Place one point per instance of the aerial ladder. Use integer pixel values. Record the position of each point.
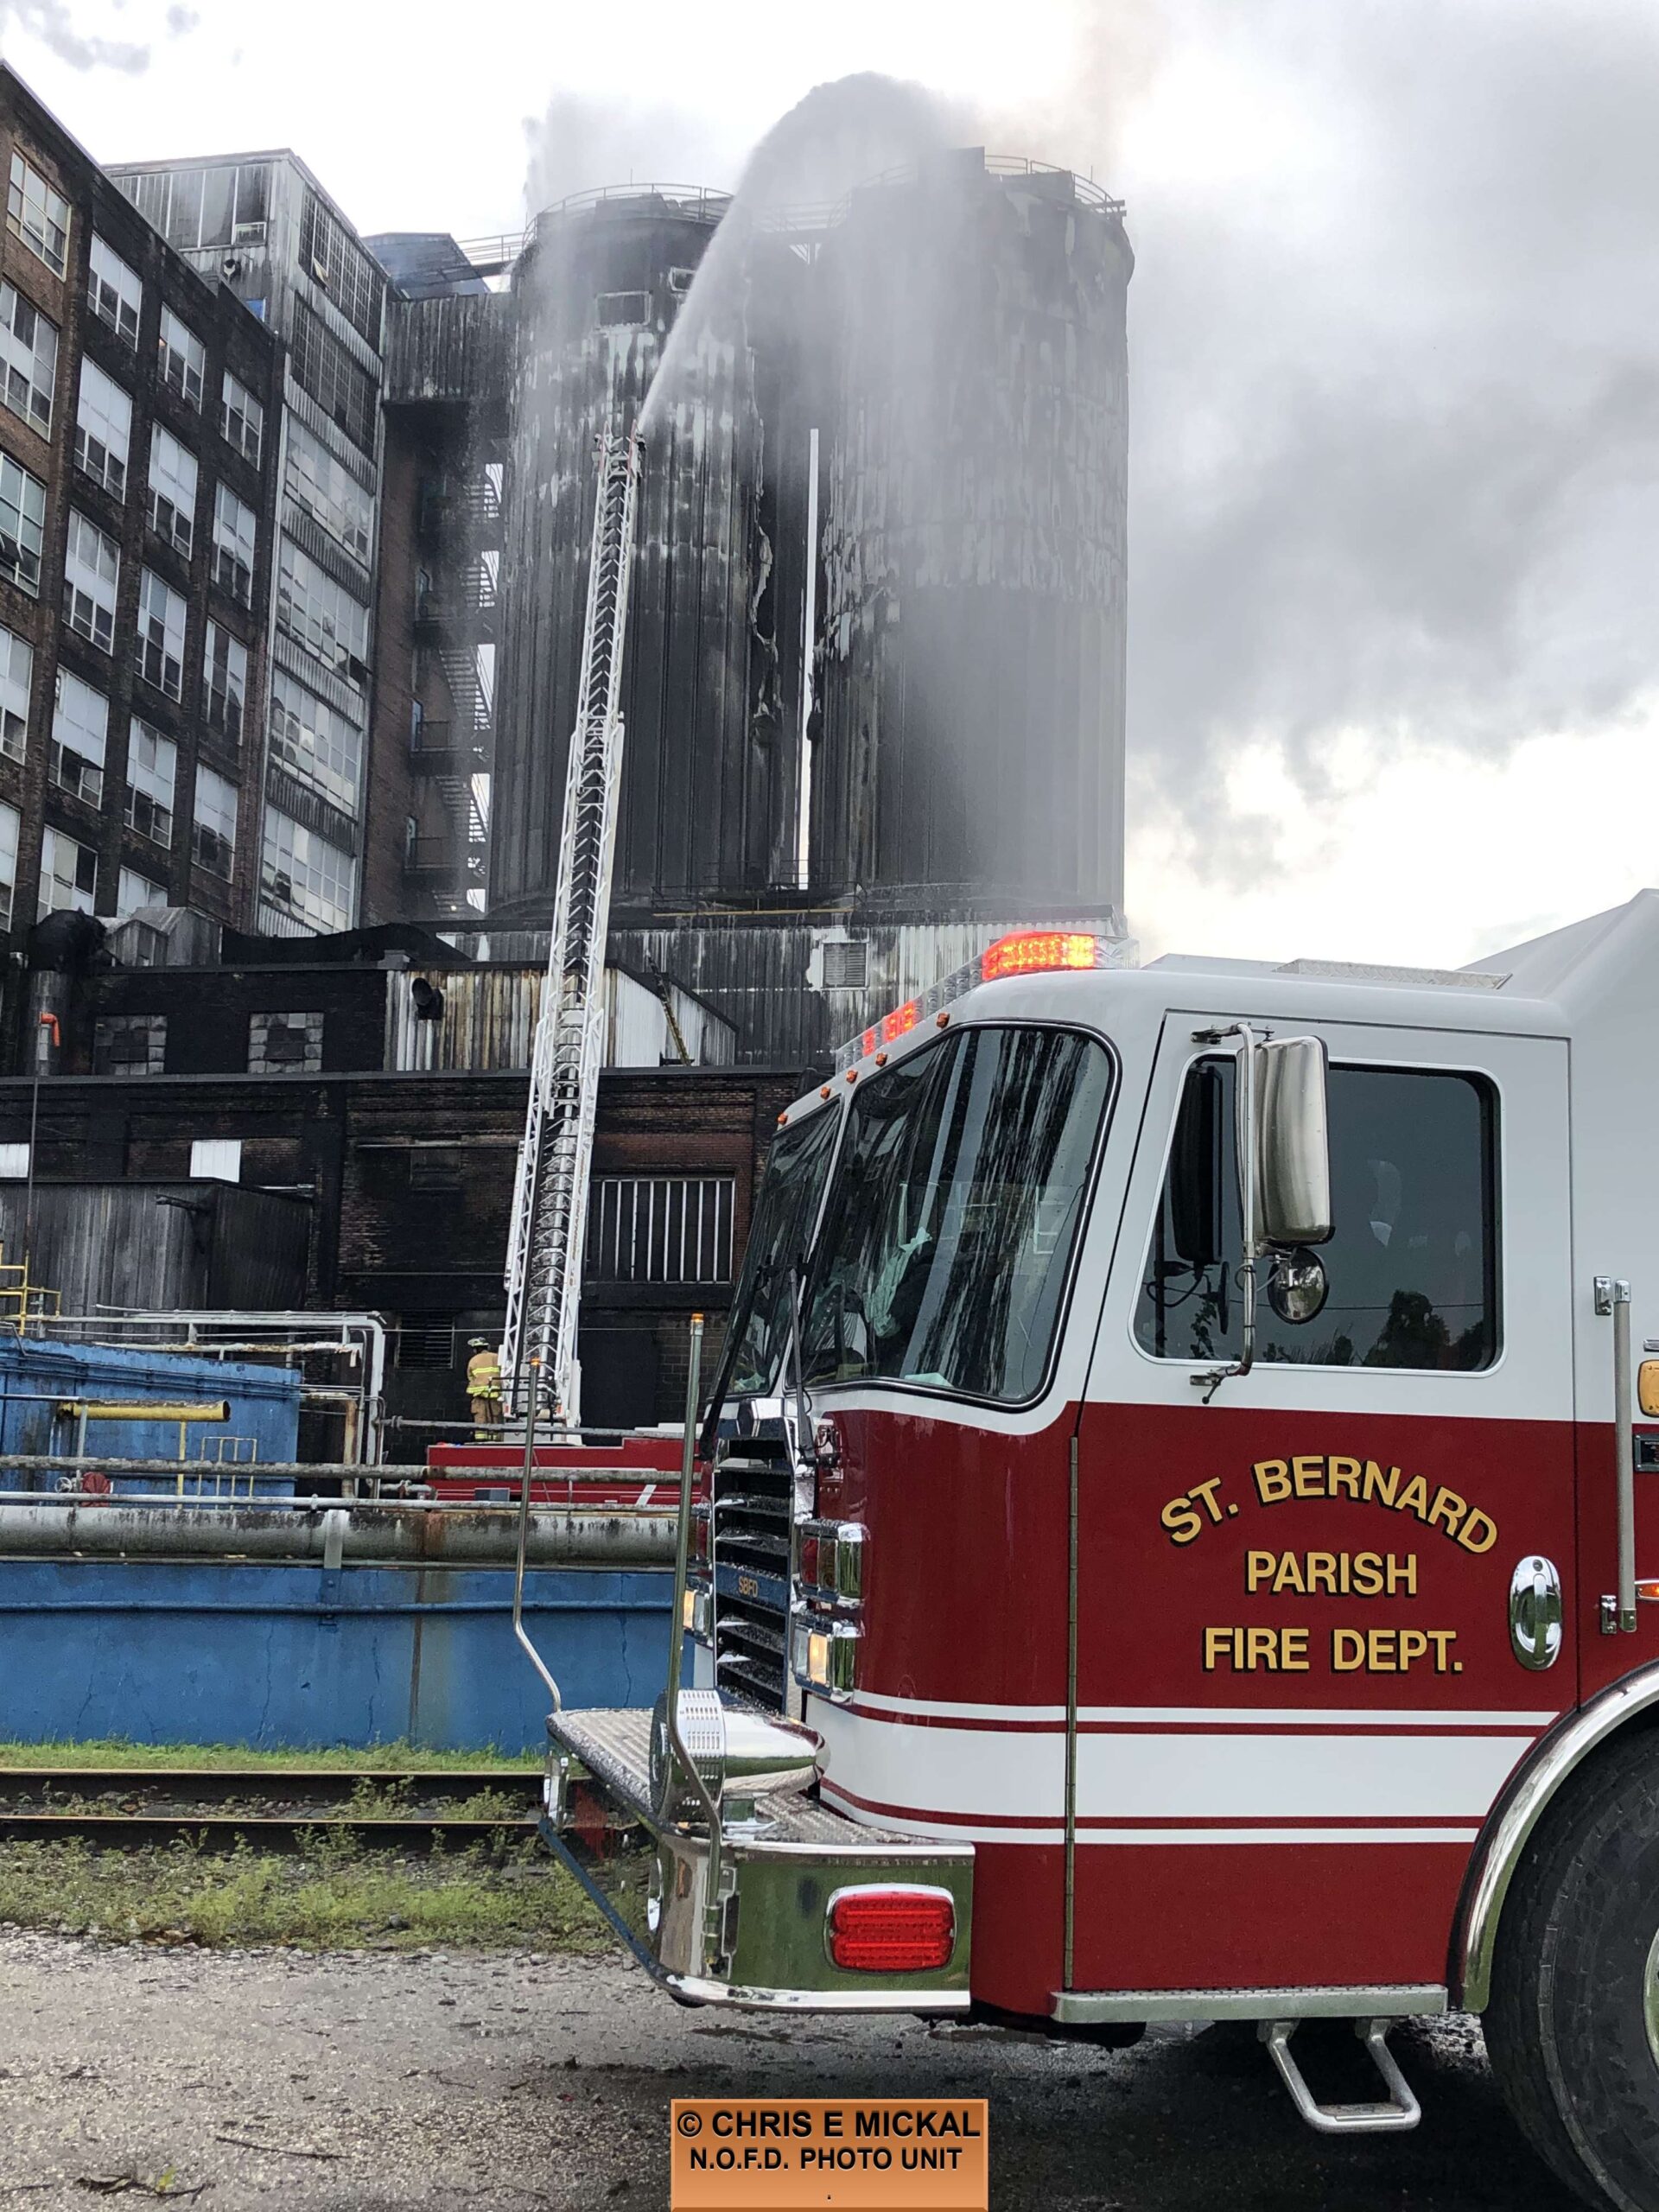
(540, 1372)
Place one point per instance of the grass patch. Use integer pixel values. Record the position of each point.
(333, 1893)
(391, 1759)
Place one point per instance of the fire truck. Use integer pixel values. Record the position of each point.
(1171, 1540)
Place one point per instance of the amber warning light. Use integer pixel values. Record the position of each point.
(882, 2154)
(1025, 952)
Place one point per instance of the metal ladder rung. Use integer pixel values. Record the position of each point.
(1398, 2111)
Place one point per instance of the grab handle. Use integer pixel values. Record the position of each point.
(1613, 1300)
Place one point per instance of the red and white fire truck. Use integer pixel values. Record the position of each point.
(1178, 1554)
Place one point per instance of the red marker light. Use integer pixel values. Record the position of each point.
(1033, 952)
(901, 1021)
(891, 1930)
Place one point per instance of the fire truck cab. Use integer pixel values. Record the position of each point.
(1178, 1554)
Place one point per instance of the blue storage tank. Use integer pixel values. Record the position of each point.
(41, 1382)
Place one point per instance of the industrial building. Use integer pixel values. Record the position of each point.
(871, 684)
(262, 224)
(136, 514)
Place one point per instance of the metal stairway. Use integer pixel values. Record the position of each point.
(550, 1208)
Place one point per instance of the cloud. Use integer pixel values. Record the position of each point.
(51, 22)
(181, 22)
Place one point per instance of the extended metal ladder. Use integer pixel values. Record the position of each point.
(549, 1205)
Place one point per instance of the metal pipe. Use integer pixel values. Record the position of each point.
(388, 1535)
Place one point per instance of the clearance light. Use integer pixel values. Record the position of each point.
(1033, 952)
(824, 1655)
(891, 1930)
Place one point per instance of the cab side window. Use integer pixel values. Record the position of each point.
(1413, 1264)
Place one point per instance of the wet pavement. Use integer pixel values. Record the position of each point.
(397, 2080)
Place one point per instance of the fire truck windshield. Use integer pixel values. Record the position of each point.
(949, 1231)
(791, 1186)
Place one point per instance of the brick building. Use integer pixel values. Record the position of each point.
(137, 505)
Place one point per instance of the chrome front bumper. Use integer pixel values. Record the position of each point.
(763, 1941)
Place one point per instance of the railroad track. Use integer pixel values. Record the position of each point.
(273, 1806)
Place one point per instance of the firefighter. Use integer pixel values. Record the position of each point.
(484, 1383)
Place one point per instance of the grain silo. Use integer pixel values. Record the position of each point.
(973, 599)
(707, 791)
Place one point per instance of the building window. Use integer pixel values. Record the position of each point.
(435, 1168)
(242, 419)
(313, 742)
(113, 290)
(322, 366)
(305, 874)
(320, 615)
(152, 775)
(316, 480)
(23, 525)
(615, 309)
(285, 1044)
(333, 259)
(129, 1044)
(213, 839)
(201, 208)
(28, 357)
(11, 823)
(133, 893)
(68, 874)
(91, 571)
(660, 1228)
(233, 529)
(158, 657)
(39, 215)
(225, 679)
(79, 729)
(103, 429)
(1413, 1264)
(172, 491)
(183, 358)
(16, 675)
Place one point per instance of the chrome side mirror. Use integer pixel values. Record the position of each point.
(1294, 1143)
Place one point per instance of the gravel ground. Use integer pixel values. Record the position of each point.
(366, 2081)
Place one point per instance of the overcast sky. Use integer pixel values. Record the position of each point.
(1395, 451)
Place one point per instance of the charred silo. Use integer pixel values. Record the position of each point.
(972, 608)
(708, 788)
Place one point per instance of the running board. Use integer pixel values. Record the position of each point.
(1399, 2110)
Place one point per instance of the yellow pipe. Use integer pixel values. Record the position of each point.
(149, 1409)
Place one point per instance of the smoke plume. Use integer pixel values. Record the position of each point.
(53, 25)
(1395, 398)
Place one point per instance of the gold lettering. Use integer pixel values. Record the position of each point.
(1260, 1646)
(1258, 1568)
(1309, 1469)
(1442, 1639)
(1414, 1498)
(1381, 1645)
(1377, 1487)
(1402, 1574)
(1322, 1573)
(1478, 1533)
(1414, 1645)
(1289, 1577)
(1293, 1651)
(1347, 1649)
(1447, 1507)
(1341, 1477)
(1182, 1522)
(1219, 1645)
(1272, 1481)
(1368, 1574)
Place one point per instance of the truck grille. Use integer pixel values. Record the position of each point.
(753, 1492)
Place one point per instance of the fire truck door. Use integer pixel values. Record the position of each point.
(1301, 1675)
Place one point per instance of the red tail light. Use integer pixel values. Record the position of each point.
(891, 1930)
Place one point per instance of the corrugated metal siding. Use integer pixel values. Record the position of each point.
(489, 1021)
(160, 1246)
(454, 348)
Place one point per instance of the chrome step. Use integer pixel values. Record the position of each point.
(1399, 2110)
